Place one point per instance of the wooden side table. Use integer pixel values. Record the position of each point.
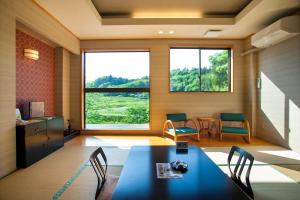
(207, 123)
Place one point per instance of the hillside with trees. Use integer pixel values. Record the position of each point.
(214, 78)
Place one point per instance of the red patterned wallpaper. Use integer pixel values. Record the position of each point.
(35, 78)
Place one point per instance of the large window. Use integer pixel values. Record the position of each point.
(116, 92)
(200, 70)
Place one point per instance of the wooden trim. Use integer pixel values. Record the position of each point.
(82, 95)
(92, 90)
(165, 39)
(150, 96)
(54, 18)
(252, 50)
(113, 50)
(197, 46)
(232, 71)
(239, 134)
(119, 132)
(21, 27)
(178, 135)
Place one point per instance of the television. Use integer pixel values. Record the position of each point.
(36, 109)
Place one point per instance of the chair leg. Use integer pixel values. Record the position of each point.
(175, 138)
(249, 138)
(198, 136)
(221, 137)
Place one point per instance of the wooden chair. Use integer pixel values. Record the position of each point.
(239, 167)
(106, 183)
(171, 129)
(239, 131)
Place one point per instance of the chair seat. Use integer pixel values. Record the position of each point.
(183, 130)
(237, 130)
(108, 188)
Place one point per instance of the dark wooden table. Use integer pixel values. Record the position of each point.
(203, 180)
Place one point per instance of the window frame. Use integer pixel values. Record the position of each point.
(230, 67)
(99, 90)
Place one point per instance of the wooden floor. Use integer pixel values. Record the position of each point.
(229, 141)
(207, 140)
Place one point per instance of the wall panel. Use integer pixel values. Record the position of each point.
(7, 88)
(279, 97)
(162, 101)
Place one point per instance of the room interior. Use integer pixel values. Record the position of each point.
(50, 49)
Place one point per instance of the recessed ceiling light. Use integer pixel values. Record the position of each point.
(171, 32)
(191, 13)
(160, 32)
(212, 33)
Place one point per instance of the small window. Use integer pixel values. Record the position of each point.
(200, 70)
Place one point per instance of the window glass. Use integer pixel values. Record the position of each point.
(199, 70)
(117, 90)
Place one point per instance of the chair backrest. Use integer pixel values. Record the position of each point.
(177, 117)
(239, 167)
(99, 168)
(238, 117)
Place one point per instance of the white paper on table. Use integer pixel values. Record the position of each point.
(164, 170)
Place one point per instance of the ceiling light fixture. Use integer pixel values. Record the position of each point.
(171, 32)
(160, 32)
(31, 54)
(167, 14)
(212, 33)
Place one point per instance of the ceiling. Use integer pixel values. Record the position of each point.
(139, 19)
(168, 8)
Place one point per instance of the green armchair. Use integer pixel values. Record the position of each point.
(177, 131)
(243, 131)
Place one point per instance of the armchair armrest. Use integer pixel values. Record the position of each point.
(220, 124)
(247, 126)
(167, 124)
(193, 122)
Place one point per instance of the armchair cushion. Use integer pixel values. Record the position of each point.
(177, 117)
(237, 130)
(239, 117)
(183, 130)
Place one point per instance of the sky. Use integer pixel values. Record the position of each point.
(189, 58)
(134, 65)
(129, 65)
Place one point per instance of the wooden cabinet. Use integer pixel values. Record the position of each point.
(55, 133)
(37, 139)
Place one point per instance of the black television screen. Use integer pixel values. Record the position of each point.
(36, 109)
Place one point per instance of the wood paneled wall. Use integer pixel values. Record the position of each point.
(162, 101)
(75, 91)
(35, 18)
(250, 85)
(62, 84)
(7, 88)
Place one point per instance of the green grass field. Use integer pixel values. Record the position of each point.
(120, 109)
